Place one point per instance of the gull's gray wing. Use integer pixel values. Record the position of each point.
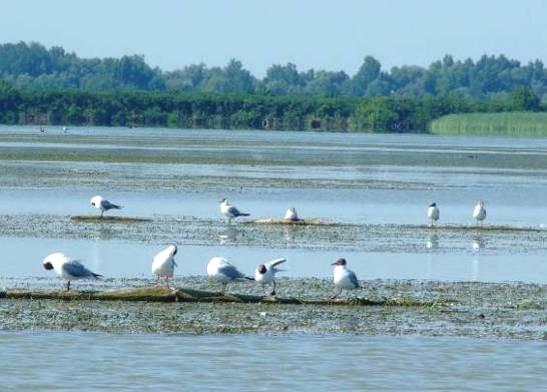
(233, 211)
(274, 263)
(231, 272)
(109, 206)
(353, 279)
(76, 269)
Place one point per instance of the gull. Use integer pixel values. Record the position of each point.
(163, 265)
(265, 273)
(68, 268)
(102, 204)
(344, 279)
(291, 215)
(479, 212)
(433, 213)
(221, 270)
(229, 211)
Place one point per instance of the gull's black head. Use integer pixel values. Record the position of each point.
(176, 250)
(433, 204)
(261, 269)
(339, 262)
(48, 266)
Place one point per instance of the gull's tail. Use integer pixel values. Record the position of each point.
(97, 276)
(244, 214)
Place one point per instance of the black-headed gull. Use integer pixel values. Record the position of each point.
(229, 211)
(433, 213)
(291, 215)
(344, 279)
(220, 269)
(163, 265)
(479, 212)
(265, 273)
(102, 204)
(68, 268)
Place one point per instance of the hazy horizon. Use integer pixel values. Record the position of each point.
(172, 34)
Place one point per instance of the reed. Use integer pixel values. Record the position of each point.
(530, 124)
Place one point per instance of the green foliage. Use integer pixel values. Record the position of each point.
(32, 67)
(502, 124)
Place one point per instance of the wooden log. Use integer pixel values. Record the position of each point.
(163, 294)
(109, 219)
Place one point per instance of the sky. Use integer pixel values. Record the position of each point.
(330, 35)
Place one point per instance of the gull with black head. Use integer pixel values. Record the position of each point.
(343, 278)
(102, 204)
(265, 273)
(67, 268)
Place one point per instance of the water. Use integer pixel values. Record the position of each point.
(376, 188)
(41, 360)
(345, 178)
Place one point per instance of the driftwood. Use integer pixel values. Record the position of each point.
(299, 222)
(110, 219)
(163, 294)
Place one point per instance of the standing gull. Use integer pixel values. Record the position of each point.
(230, 211)
(68, 268)
(219, 269)
(163, 265)
(433, 213)
(291, 215)
(102, 204)
(265, 273)
(479, 212)
(344, 279)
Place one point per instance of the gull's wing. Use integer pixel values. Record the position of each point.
(76, 269)
(230, 271)
(233, 211)
(274, 263)
(108, 205)
(353, 279)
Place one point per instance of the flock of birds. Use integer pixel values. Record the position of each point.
(218, 268)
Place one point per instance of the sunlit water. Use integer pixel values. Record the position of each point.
(357, 179)
(345, 178)
(91, 361)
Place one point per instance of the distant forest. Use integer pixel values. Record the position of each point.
(33, 67)
(50, 86)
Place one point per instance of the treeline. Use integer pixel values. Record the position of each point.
(33, 67)
(244, 111)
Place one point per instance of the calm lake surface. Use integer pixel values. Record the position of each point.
(375, 188)
(353, 179)
(267, 362)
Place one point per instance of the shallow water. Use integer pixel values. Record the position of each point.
(375, 188)
(266, 362)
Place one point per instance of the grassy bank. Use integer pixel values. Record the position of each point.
(502, 124)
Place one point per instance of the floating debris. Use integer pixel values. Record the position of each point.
(298, 222)
(115, 219)
(164, 294)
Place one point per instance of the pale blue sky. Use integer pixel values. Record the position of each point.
(333, 35)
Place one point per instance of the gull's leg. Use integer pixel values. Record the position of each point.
(225, 288)
(102, 213)
(273, 290)
(336, 294)
(68, 286)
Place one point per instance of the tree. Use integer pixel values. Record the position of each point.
(523, 98)
(367, 73)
